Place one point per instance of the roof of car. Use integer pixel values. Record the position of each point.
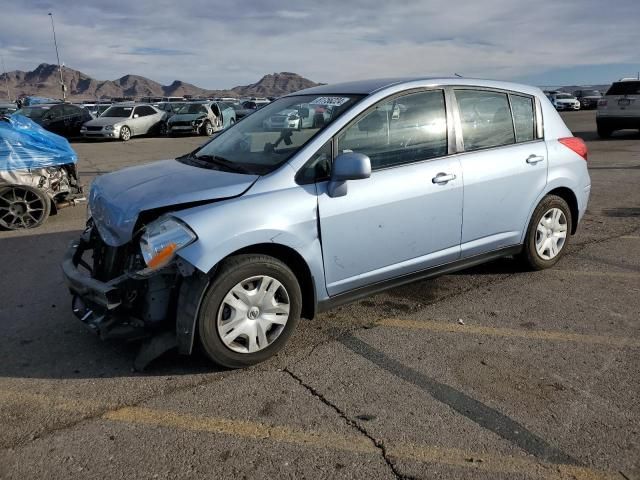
(367, 87)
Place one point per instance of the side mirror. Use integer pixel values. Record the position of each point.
(347, 166)
(135, 115)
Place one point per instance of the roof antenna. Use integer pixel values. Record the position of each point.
(457, 75)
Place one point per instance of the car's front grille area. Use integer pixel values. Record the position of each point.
(94, 129)
(180, 124)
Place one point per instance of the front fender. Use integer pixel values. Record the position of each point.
(287, 217)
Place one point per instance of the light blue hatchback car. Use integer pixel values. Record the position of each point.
(394, 180)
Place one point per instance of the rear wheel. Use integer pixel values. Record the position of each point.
(249, 311)
(548, 233)
(23, 207)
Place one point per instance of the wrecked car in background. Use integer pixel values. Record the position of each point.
(37, 174)
(203, 118)
(125, 120)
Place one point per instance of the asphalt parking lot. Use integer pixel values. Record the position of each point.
(489, 373)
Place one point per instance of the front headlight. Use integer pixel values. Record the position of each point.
(162, 239)
(109, 127)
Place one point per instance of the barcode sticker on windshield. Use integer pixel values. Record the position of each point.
(332, 101)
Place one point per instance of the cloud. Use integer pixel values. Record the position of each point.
(217, 44)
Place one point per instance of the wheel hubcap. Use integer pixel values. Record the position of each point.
(551, 234)
(20, 208)
(253, 314)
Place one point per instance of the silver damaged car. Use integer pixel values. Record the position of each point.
(125, 120)
(231, 244)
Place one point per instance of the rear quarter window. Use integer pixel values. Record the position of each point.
(523, 117)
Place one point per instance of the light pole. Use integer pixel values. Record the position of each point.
(6, 78)
(53, 28)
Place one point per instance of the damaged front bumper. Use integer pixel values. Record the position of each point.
(133, 305)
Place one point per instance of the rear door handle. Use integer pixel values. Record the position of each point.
(533, 159)
(442, 178)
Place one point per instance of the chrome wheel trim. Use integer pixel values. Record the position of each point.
(20, 208)
(551, 234)
(208, 129)
(253, 314)
(125, 133)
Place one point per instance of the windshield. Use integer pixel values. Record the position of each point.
(34, 113)
(192, 108)
(263, 141)
(122, 112)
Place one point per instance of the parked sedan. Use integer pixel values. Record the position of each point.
(126, 120)
(566, 101)
(64, 119)
(298, 117)
(228, 246)
(203, 118)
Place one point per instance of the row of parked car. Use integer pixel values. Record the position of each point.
(580, 99)
(123, 120)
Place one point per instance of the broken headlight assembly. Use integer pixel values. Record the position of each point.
(162, 239)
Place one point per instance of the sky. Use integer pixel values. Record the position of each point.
(220, 44)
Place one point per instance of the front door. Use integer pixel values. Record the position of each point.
(407, 216)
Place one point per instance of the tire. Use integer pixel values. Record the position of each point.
(125, 133)
(543, 227)
(604, 132)
(23, 207)
(232, 122)
(162, 129)
(248, 273)
(206, 129)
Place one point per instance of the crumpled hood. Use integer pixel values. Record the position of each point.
(117, 198)
(186, 117)
(103, 121)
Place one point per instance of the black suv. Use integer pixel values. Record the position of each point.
(62, 118)
(588, 98)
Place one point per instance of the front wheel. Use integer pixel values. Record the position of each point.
(23, 207)
(125, 134)
(207, 128)
(548, 233)
(249, 311)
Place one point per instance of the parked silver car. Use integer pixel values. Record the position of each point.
(619, 108)
(404, 180)
(125, 120)
(202, 118)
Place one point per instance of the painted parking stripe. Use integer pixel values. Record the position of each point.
(587, 273)
(548, 335)
(354, 444)
(476, 411)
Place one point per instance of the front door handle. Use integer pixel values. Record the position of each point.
(533, 159)
(442, 178)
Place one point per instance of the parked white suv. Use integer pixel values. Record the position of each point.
(619, 108)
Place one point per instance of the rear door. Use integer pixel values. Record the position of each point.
(407, 216)
(504, 165)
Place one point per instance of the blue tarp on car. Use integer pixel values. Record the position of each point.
(24, 144)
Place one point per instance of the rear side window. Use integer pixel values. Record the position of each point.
(405, 129)
(624, 88)
(523, 117)
(486, 119)
(145, 111)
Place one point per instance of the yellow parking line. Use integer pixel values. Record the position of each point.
(631, 237)
(510, 332)
(28, 399)
(354, 444)
(598, 274)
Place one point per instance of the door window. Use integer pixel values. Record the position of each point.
(523, 117)
(145, 111)
(405, 129)
(486, 119)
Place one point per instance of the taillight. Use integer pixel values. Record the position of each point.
(602, 102)
(576, 144)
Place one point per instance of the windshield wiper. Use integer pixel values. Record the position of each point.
(223, 162)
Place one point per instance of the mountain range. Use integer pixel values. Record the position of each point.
(44, 81)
